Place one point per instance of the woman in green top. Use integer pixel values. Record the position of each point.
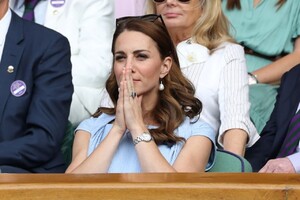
(269, 30)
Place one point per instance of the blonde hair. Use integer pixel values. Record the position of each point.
(212, 28)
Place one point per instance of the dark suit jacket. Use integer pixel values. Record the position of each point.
(273, 134)
(33, 125)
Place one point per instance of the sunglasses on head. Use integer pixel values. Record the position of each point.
(149, 18)
(162, 1)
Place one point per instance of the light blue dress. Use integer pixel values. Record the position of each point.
(125, 159)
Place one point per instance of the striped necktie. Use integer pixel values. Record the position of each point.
(29, 9)
(292, 138)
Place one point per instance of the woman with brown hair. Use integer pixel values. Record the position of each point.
(154, 125)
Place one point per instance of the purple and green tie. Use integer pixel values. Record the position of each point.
(29, 9)
(292, 138)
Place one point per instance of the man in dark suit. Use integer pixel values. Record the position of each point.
(265, 154)
(36, 92)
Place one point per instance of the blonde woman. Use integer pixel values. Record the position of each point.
(215, 64)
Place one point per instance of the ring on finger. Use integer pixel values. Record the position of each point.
(133, 94)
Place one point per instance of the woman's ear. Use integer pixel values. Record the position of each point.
(165, 67)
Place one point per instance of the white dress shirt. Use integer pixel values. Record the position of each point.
(4, 24)
(221, 83)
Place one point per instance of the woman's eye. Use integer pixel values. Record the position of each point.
(119, 57)
(142, 56)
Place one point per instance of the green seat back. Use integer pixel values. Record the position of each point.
(230, 162)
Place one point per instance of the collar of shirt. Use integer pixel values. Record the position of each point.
(20, 3)
(4, 24)
(190, 53)
(39, 11)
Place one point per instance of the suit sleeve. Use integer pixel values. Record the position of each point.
(48, 110)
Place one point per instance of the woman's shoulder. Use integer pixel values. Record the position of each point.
(190, 45)
(230, 46)
(230, 51)
(93, 123)
(196, 127)
(190, 53)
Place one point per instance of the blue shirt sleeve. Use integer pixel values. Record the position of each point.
(92, 124)
(199, 128)
(86, 125)
(204, 129)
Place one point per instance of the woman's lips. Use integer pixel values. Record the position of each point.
(171, 15)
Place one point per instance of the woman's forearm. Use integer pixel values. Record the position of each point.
(234, 140)
(99, 161)
(273, 72)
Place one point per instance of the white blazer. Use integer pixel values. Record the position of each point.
(221, 83)
(89, 27)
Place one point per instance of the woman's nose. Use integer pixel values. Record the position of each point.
(130, 64)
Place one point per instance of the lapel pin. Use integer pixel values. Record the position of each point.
(18, 88)
(10, 69)
(57, 3)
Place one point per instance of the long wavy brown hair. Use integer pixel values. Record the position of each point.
(176, 101)
(232, 4)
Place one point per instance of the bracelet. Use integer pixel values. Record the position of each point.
(252, 79)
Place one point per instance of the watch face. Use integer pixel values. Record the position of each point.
(146, 137)
(251, 80)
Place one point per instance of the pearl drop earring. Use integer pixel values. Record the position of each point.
(161, 86)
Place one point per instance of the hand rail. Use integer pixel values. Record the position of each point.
(156, 186)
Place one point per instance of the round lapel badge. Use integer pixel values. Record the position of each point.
(57, 3)
(18, 88)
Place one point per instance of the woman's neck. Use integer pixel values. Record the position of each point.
(178, 35)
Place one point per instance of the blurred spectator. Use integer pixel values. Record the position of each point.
(129, 8)
(278, 149)
(36, 93)
(89, 26)
(269, 31)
